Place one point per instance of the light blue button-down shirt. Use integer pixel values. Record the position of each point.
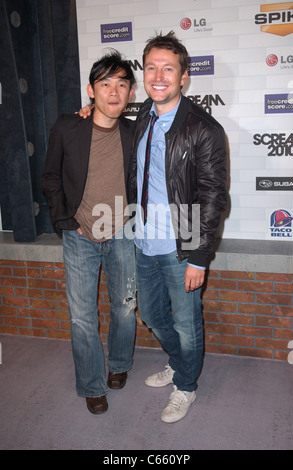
(157, 236)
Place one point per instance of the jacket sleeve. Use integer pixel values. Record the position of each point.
(211, 156)
(51, 181)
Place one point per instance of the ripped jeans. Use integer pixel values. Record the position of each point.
(83, 259)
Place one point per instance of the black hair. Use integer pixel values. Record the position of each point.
(108, 66)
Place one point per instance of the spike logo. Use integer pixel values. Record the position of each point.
(276, 18)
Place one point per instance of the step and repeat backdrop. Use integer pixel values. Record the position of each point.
(240, 71)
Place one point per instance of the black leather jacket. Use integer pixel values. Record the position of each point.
(195, 172)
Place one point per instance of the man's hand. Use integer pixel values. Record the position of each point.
(193, 278)
(85, 111)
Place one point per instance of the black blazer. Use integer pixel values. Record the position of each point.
(64, 178)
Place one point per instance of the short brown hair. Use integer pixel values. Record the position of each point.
(169, 42)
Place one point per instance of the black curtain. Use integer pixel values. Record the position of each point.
(40, 78)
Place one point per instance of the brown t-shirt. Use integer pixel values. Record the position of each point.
(101, 211)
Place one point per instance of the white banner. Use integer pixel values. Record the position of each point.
(241, 71)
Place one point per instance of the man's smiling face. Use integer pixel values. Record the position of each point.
(163, 78)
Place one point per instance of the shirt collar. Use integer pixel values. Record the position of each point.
(169, 116)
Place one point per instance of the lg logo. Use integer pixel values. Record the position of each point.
(185, 23)
(272, 60)
(284, 61)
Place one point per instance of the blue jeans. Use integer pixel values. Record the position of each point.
(83, 259)
(160, 282)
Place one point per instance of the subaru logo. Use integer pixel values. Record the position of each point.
(266, 183)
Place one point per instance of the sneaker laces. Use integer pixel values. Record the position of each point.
(168, 371)
(177, 397)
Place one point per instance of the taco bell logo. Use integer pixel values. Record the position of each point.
(203, 65)
(281, 224)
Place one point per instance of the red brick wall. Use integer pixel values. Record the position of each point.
(245, 313)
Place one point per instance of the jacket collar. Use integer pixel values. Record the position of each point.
(181, 114)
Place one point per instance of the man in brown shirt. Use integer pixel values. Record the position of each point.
(84, 182)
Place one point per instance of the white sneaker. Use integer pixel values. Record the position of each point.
(178, 406)
(161, 379)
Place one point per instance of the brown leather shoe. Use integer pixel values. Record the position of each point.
(97, 405)
(117, 381)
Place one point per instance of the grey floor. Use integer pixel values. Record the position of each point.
(242, 404)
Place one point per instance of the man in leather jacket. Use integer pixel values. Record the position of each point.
(187, 170)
